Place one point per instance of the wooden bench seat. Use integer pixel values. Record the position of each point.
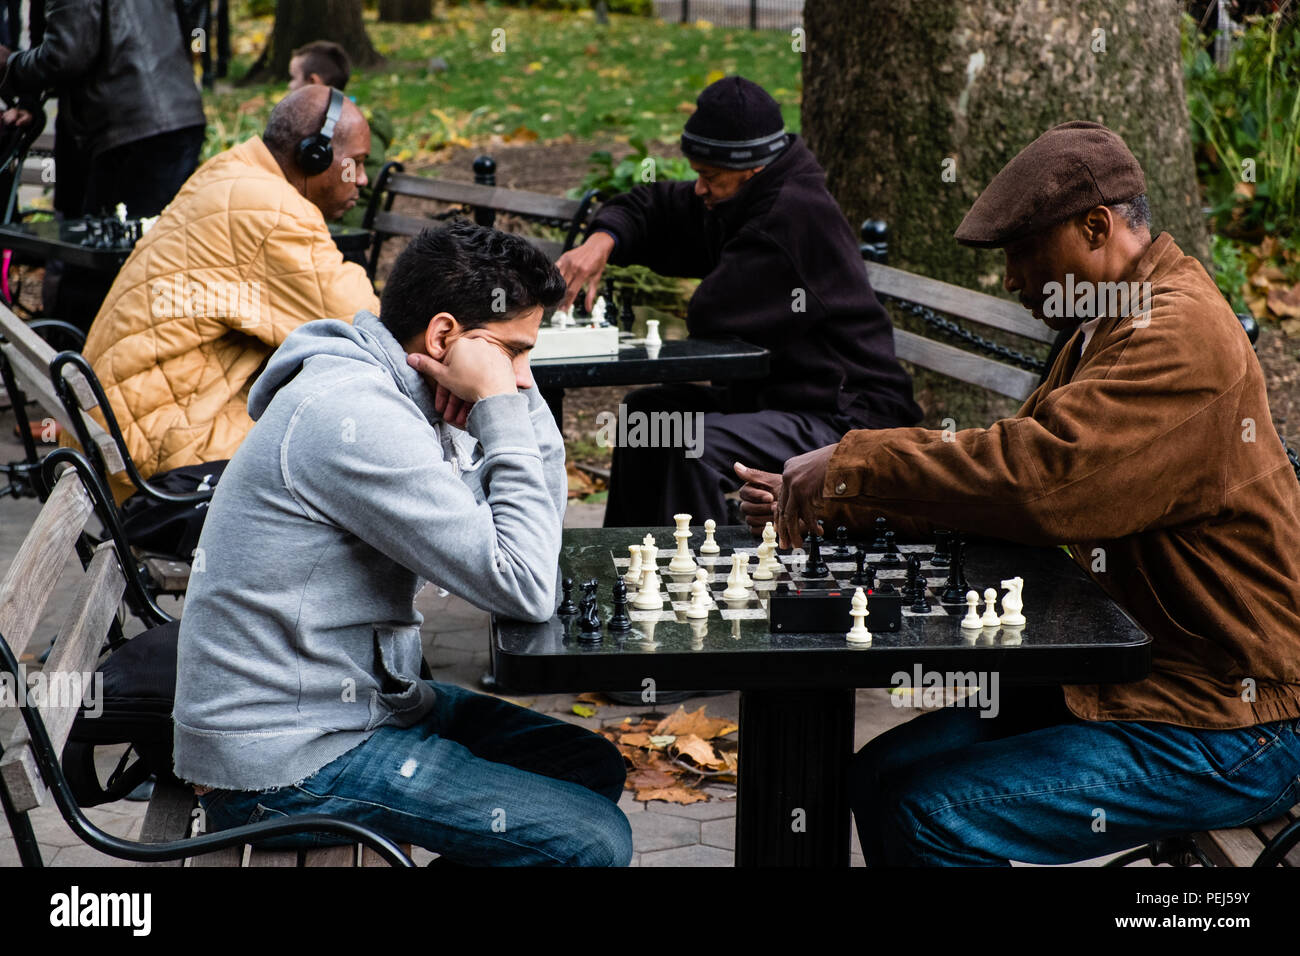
(1241, 846)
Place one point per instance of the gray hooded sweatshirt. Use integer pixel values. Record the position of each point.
(300, 635)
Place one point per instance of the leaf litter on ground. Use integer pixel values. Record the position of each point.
(669, 758)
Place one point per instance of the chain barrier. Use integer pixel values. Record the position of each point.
(947, 326)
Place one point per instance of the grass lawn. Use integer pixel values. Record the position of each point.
(558, 75)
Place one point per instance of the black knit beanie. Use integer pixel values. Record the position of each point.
(736, 125)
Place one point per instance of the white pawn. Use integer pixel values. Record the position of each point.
(709, 546)
(990, 618)
(1012, 604)
(735, 590)
(633, 577)
(649, 598)
(972, 622)
(858, 634)
(598, 311)
(699, 607)
(652, 339)
(681, 562)
(771, 563)
(764, 570)
(743, 575)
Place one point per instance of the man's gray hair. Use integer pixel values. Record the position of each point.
(1136, 212)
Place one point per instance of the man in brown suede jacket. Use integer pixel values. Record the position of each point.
(1149, 450)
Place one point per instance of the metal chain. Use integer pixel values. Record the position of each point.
(1027, 362)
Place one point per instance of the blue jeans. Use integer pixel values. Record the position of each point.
(479, 780)
(1036, 784)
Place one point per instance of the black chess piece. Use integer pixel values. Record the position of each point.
(959, 559)
(892, 558)
(880, 543)
(567, 606)
(842, 542)
(626, 317)
(620, 620)
(862, 577)
(816, 566)
(954, 589)
(920, 604)
(942, 556)
(913, 582)
(589, 615)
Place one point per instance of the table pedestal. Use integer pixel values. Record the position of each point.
(792, 808)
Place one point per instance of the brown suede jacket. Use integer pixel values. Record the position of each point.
(1157, 455)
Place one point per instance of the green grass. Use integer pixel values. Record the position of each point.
(559, 74)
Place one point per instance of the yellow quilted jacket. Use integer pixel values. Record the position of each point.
(237, 261)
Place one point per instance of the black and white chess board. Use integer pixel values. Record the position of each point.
(793, 600)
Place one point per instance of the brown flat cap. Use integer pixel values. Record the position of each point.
(1070, 168)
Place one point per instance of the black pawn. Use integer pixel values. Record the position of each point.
(567, 606)
(881, 542)
(620, 620)
(816, 566)
(920, 605)
(914, 581)
(892, 558)
(860, 578)
(942, 556)
(842, 542)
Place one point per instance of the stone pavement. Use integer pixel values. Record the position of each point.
(456, 646)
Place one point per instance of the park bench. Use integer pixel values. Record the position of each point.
(31, 774)
(482, 199)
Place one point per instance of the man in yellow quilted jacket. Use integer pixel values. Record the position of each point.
(239, 259)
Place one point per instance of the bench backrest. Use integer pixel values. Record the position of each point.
(24, 593)
(475, 196)
(968, 306)
(30, 356)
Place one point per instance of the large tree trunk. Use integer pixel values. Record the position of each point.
(301, 21)
(405, 11)
(893, 88)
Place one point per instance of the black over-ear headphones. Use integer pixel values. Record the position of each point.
(315, 154)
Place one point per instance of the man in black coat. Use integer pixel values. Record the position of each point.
(780, 269)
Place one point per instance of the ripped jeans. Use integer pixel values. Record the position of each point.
(478, 780)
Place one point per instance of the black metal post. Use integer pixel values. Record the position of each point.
(792, 808)
(485, 174)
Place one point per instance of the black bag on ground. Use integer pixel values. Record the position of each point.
(138, 692)
(167, 527)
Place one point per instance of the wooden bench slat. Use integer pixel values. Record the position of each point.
(168, 816)
(955, 300)
(74, 654)
(1271, 828)
(396, 224)
(40, 559)
(1237, 846)
(230, 856)
(263, 858)
(331, 856)
(168, 574)
(988, 373)
(518, 201)
(370, 858)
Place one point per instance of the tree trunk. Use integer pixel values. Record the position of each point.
(405, 11)
(301, 21)
(893, 88)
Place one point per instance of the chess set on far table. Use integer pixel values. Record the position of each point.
(822, 588)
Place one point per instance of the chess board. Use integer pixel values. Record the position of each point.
(792, 601)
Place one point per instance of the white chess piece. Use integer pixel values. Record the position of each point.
(649, 598)
(699, 607)
(709, 546)
(771, 562)
(971, 621)
(743, 577)
(652, 339)
(858, 634)
(764, 570)
(735, 590)
(990, 618)
(649, 553)
(681, 562)
(561, 319)
(1012, 604)
(633, 577)
(598, 311)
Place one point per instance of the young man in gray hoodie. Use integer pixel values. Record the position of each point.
(385, 454)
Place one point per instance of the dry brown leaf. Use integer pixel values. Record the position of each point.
(700, 751)
(636, 740)
(672, 795)
(591, 697)
(650, 780)
(1290, 327)
(706, 728)
(1285, 302)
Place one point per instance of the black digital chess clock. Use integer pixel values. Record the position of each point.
(823, 608)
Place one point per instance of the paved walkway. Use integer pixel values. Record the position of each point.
(456, 645)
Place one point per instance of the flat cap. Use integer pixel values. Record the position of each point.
(1070, 168)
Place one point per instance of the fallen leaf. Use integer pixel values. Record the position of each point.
(1291, 327)
(584, 710)
(662, 740)
(1285, 302)
(699, 751)
(590, 697)
(650, 779)
(671, 795)
(706, 728)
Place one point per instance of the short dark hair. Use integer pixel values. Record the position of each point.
(327, 60)
(479, 275)
(289, 124)
(1136, 212)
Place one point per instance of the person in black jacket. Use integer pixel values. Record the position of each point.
(130, 126)
(781, 269)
